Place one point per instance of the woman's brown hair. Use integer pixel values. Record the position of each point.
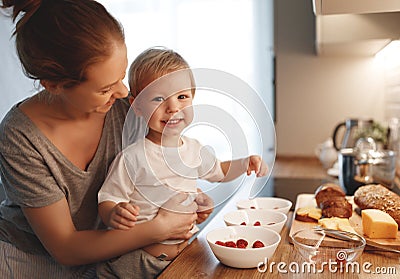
(57, 40)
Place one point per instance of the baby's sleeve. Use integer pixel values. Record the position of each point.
(118, 185)
(210, 167)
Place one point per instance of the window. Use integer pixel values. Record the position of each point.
(231, 36)
(234, 36)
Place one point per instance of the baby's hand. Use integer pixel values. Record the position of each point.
(123, 216)
(205, 206)
(257, 165)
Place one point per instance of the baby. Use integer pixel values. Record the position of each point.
(149, 172)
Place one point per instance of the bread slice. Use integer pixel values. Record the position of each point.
(332, 200)
(328, 191)
(337, 207)
(308, 214)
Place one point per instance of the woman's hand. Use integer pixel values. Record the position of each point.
(175, 219)
(205, 206)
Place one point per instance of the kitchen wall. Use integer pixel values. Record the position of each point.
(314, 93)
(390, 60)
(15, 86)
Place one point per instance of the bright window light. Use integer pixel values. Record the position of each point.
(230, 36)
(390, 54)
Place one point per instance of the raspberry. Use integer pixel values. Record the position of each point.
(230, 244)
(257, 223)
(241, 243)
(243, 224)
(258, 244)
(220, 243)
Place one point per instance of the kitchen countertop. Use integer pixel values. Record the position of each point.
(197, 261)
(299, 167)
(291, 176)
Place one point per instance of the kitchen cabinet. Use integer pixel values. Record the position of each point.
(330, 7)
(355, 27)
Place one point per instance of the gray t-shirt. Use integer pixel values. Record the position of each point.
(35, 174)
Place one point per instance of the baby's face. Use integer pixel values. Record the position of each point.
(166, 104)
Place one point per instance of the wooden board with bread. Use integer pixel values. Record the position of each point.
(329, 207)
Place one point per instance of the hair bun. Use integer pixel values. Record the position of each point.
(28, 7)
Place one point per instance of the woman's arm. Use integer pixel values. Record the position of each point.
(54, 227)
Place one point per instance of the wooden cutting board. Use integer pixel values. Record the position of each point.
(304, 200)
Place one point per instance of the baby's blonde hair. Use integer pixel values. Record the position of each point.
(152, 64)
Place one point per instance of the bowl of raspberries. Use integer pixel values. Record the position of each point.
(269, 219)
(271, 203)
(243, 246)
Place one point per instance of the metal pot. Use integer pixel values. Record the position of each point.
(348, 171)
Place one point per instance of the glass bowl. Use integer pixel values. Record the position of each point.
(319, 248)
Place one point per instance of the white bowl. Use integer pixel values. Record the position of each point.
(269, 219)
(272, 203)
(243, 257)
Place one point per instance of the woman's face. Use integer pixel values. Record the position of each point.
(103, 85)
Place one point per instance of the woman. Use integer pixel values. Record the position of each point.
(56, 146)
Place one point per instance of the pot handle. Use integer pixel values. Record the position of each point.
(335, 134)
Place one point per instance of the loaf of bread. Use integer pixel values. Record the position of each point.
(308, 214)
(332, 201)
(337, 207)
(378, 197)
(328, 191)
